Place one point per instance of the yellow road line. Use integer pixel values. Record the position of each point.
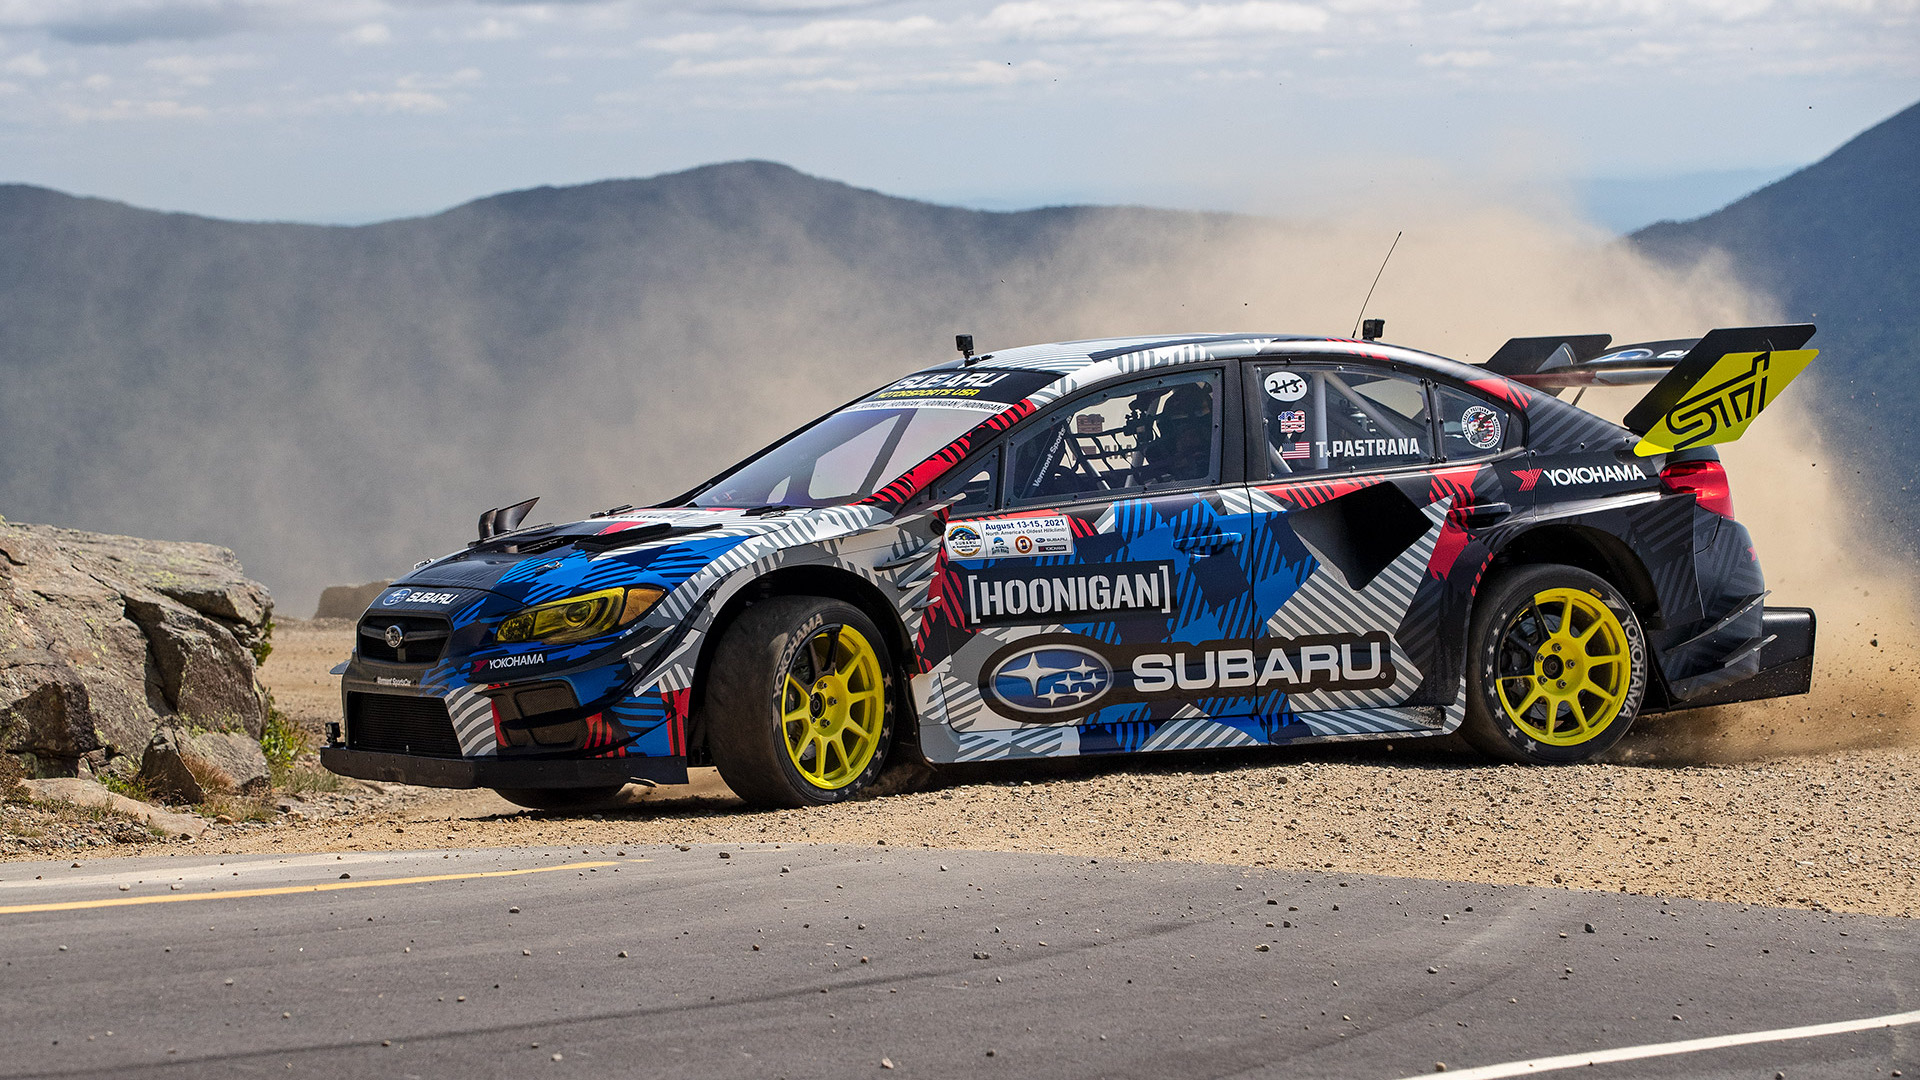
(285, 890)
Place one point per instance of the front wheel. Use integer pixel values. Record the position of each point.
(799, 708)
(1557, 666)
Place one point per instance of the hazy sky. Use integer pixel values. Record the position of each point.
(354, 110)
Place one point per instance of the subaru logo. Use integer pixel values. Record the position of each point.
(395, 597)
(1051, 679)
(395, 637)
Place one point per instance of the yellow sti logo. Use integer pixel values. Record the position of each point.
(1720, 404)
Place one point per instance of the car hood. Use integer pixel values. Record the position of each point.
(548, 562)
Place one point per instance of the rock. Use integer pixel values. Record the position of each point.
(88, 793)
(164, 771)
(348, 601)
(235, 760)
(103, 639)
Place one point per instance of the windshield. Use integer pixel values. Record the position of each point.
(865, 446)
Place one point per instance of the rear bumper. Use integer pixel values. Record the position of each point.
(1786, 662)
(493, 772)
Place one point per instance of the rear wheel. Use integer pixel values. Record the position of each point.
(799, 707)
(1557, 666)
(562, 799)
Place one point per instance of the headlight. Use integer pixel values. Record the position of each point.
(578, 617)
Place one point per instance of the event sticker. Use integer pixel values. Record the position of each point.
(1285, 386)
(1010, 538)
(1481, 426)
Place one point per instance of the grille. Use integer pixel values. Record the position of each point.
(426, 638)
(400, 725)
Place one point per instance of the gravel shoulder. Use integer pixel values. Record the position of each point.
(1811, 802)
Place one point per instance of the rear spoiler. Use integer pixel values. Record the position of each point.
(1705, 390)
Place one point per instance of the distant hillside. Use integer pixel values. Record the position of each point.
(1838, 244)
(336, 403)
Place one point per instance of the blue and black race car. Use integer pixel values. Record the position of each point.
(1107, 547)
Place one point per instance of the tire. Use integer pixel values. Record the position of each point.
(786, 728)
(562, 799)
(1556, 666)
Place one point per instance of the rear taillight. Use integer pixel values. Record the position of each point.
(1707, 480)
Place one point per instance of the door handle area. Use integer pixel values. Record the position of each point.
(1207, 544)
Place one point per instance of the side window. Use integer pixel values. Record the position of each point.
(977, 482)
(1154, 433)
(1470, 426)
(1328, 418)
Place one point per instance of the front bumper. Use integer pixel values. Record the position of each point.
(497, 772)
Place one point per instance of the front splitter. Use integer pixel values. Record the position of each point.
(490, 772)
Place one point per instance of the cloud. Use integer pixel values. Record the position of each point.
(491, 29)
(134, 22)
(194, 70)
(128, 23)
(383, 101)
(1094, 19)
(373, 33)
(28, 64)
(1475, 58)
(136, 109)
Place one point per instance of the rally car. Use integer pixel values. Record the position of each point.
(1110, 547)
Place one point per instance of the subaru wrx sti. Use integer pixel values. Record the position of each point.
(1114, 547)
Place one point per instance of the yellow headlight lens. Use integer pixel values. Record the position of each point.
(578, 617)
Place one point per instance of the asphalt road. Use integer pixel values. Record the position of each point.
(835, 962)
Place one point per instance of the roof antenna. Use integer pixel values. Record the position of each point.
(1382, 324)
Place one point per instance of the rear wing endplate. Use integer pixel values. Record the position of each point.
(1705, 390)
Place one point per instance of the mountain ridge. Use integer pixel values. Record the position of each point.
(1838, 244)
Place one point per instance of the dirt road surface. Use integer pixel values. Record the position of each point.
(1809, 802)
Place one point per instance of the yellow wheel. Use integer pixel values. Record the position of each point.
(833, 707)
(1563, 667)
(1559, 666)
(798, 707)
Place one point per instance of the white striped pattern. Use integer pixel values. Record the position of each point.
(1196, 733)
(1325, 604)
(1369, 722)
(1023, 743)
(472, 715)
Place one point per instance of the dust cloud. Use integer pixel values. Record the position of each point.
(1465, 278)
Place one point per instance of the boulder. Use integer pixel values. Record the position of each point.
(164, 771)
(348, 601)
(226, 760)
(82, 792)
(105, 639)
